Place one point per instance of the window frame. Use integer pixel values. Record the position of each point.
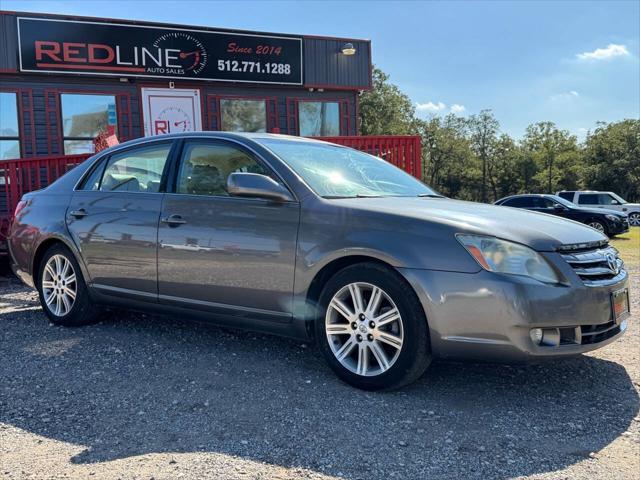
(172, 180)
(61, 93)
(323, 100)
(102, 161)
(272, 119)
(20, 136)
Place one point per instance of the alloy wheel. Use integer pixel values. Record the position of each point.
(634, 219)
(364, 329)
(59, 285)
(597, 225)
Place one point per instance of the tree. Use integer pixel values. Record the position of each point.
(484, 130)
(550, 147)
(385, 110)
(612, 158)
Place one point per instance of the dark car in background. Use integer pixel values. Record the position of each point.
(609, 222)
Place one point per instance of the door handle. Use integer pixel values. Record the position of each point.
(78, 213)
(173, 220)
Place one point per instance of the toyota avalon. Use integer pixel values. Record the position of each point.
(312, 240)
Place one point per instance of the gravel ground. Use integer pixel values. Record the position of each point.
(152, 397)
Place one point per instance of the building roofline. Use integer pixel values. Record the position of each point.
(172, 25)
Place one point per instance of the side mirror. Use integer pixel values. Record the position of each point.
(254, 185)
(557, 206)
(615, 202)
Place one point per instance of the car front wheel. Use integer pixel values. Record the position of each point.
(373, 331)
(63, 292)
(634, 219)
(598, 225)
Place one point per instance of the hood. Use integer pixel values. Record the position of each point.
(539, 231)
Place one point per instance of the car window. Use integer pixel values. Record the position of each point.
(519, 202)
(566, 195)
(546, 203)
(136, 170)
(588, 199)
(205, 166)
(92, 181)
(606, 199)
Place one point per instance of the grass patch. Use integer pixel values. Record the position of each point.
(629, 247)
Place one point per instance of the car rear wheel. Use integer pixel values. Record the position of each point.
(634, 219)
(63, 292)
(598, 225)
(373, 331)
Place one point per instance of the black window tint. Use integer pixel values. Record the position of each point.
(205, 167)
(136, 170)
(588, 199)
(566, 195)
(546, 203)
(520, 202)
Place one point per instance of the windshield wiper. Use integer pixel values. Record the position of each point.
(431, 195)
(359, 195)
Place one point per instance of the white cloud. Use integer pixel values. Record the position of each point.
(430, 107)
(564, 96)
(611, 50)
(457, 108)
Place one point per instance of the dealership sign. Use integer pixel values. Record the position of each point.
(94, 48)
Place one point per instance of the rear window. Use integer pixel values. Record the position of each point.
(588, 199)
(520, 202)
(566, 195)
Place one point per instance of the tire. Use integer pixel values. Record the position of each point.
(634, 219)
(59, 275)
(403, 340)
(598, 225)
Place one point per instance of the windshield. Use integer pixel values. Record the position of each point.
(333, 171)
(562, 201)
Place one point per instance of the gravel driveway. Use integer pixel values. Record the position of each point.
(152, 397)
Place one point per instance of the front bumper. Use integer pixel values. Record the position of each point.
(616, 228)
(489, 316)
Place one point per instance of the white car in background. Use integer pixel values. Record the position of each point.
(608, 200)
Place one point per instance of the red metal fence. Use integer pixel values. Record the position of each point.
(20, 176)
(403, 151)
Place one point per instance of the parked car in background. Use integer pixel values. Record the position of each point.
(608, 200)
(312, 240)
(609, 222)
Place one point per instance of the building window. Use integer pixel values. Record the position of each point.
(9, 126)
(319, 119)
(239, 115)
(83, 118)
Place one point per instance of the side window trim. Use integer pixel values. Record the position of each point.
(103, 161)
(172, 181)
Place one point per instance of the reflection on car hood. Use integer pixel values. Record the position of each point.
(538, 230)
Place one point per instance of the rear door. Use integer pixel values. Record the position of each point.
(113, 218)
(220, 253)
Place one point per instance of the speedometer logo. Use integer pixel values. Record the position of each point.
(192, 56)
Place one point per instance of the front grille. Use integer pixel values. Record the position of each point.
(596, 267)
(598, 333)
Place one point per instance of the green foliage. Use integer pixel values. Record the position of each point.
(385, 110)
(469, 158)
(612, 159)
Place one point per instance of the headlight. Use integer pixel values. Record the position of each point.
(612, 218)
(501, 256)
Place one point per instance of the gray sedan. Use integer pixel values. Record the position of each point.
(316, 241)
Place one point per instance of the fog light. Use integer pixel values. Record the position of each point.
(536, 335)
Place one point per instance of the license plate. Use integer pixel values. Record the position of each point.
(620, 304)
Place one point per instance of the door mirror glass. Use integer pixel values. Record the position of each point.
(254, 185)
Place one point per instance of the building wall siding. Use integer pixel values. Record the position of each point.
(44, 117)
